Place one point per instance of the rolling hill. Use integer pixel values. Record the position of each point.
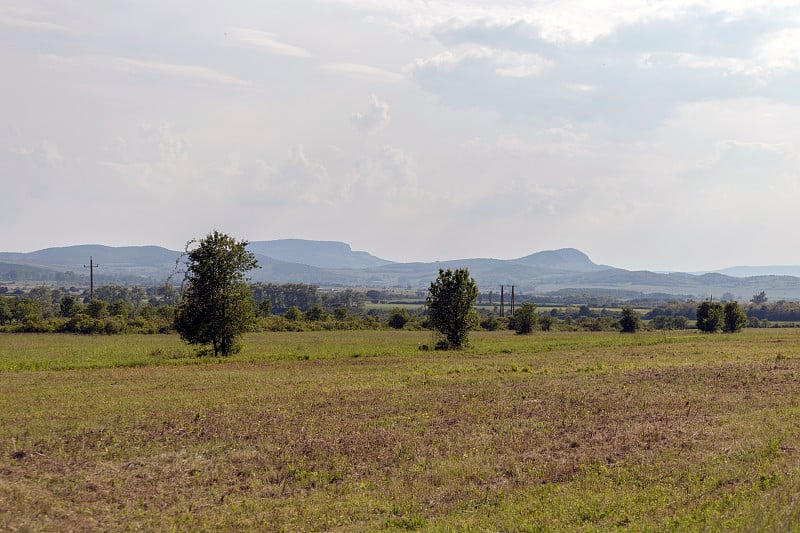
(336, 264)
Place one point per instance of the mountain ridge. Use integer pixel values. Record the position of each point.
(334, 263)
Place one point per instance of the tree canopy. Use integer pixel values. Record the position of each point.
(710, 317)
(629, 321)
(450, 304)
(217, 305)
(525, 319)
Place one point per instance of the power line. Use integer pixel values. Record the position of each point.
(91, 268)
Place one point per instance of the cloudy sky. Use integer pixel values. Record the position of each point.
(650, 135)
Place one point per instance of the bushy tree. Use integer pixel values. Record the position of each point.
(264, 308)
(629, 321)
(70, 306)
(315, 313)
(525, 319)
(5, 310)
(710, 317)
(760, 298)
(398, 318)
(450, 302)
(217, 305)
(735, 318)
(293, 313)
(97, 309)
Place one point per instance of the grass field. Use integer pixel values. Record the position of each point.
(362, 431)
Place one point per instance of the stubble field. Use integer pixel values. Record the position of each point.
(362, 431)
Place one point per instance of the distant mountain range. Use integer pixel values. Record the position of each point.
(332, 263)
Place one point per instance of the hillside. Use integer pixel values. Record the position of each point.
(336, 264)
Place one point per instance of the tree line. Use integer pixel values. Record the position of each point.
(215, 305)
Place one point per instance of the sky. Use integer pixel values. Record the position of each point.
(649, 135)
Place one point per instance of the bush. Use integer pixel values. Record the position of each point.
(398, 318)
(525, 319)
(710, 317)
(629, 321)
(735, 319)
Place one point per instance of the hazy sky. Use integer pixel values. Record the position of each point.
(650, 135)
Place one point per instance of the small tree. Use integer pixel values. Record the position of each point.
(450, 304)
(293, 313)
(217, 305)
(264, 308)
(525, 319)
(735, 318)
(710, 317)
(399, 318)
(315, 313)
(629, 321)
(760, 298)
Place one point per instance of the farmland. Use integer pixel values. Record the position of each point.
(364, 431)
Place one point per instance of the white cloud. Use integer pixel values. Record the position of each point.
(27, 18)
(154, 160)
(503, 63)
(134, 67)
(365, 72)
(267, 42)
(375, 119)
(780, 50)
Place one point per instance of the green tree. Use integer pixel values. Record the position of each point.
(710, 317)
(735, 318)
(264, 308)
(398, 318)
(760, 298)
(293, 313)
(315, 313)
(70, 306)
(5, 310)
(525, 319)
(217, 305)
(97, 309)
(450, 303)
(120, 308)
(629, 321)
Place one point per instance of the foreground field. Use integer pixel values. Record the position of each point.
(362, 431)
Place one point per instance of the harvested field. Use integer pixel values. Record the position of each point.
(361, 431)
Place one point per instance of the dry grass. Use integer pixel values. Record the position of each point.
(555, 432)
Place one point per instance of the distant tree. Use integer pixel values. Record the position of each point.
(629, 321)
(97, 309)
(492, 323)
(546, 322)
(27, 311)
(316, 313)
(5, 310)
(735, 318)
(70, 306)
(120, 308)
(398, 318)
(264, 308)
(217, 305)
(525, 319)
(293, 313)
(450, 303)
(710, 317)
(759, 299)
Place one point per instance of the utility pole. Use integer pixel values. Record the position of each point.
(502, 300)
(91, 268)
(512, 300)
